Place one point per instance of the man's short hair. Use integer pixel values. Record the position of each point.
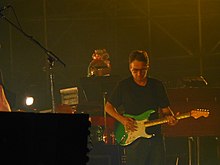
(139, 55)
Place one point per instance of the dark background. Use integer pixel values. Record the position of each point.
(182, 38)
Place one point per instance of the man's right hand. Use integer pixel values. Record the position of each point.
(129, 124)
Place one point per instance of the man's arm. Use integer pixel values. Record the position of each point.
(129, 123)
(111, 110)
(168, 113)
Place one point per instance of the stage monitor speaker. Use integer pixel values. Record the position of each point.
(43, 139)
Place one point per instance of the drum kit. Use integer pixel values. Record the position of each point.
(102, 130)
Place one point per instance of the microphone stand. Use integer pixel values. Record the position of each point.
(52, 58)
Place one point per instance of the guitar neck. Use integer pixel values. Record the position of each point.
(164, 120)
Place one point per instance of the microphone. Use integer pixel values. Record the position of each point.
(4, 8)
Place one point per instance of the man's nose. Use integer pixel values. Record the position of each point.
(138, 72)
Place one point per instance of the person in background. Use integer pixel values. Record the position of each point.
(4, 105)
(138, 94)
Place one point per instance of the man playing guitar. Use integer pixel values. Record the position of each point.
(137, 94)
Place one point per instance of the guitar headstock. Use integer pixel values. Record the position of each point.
(197, 113)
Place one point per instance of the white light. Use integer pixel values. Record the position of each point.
(29, 101)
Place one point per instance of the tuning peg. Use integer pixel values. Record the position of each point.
(203, 110)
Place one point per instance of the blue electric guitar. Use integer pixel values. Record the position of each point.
(125, 137)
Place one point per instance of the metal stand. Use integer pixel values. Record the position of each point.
(190, 140)
(197, 150)
(106, 138)
(104, 102)
(51, 76)
(52, 58)
(194, 142)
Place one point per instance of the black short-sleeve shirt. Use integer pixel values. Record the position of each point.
(137, 99)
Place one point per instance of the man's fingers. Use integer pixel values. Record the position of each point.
(131, 124)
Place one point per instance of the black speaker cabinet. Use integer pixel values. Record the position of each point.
(43, 139)
(105, 154)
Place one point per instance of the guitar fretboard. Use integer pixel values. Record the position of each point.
(164, 120)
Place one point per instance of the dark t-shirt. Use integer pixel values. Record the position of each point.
(137, 99)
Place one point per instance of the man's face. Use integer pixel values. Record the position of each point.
(139, 70)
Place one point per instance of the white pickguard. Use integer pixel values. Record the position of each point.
(140, 132)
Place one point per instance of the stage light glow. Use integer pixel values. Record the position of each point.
(29, 100)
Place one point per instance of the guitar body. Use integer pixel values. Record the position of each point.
(124, 137)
